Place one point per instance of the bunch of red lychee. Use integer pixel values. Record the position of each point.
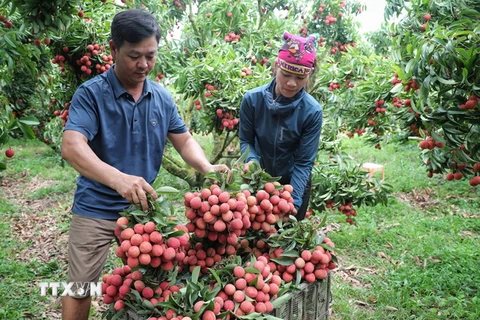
(312, 264)
(143, 245)
(210, 90)
(206, 256)
(216, 215)
(379, 106)
(332, 86)
(232, 37)
(124, 280)
(251, 292)
(470, 104)
(430, 144)
(228, 120)
(86, 61)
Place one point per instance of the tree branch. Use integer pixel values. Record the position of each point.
(169, 164)
(226, 142)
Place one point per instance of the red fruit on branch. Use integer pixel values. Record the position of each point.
(476, 167)
(475, 181)
(470, 104)
(427, 17)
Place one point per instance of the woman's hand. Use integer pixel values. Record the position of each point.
(246, 166)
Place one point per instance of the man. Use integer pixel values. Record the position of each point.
(115, 137)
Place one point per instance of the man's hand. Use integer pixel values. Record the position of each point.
(135, 190)
(222, 168)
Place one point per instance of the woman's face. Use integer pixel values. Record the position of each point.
(289, 84)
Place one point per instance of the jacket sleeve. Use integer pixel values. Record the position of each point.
(247, 129)
(305, 156)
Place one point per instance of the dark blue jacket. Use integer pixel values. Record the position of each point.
(282, 134)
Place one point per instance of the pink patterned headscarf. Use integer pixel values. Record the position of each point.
(297, 55)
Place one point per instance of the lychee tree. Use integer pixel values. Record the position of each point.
(12, 127)
(211, 52)
(437, 51)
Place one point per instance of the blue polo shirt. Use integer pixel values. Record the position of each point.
(127, 135)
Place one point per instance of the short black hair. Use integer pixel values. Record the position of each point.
(134, 25)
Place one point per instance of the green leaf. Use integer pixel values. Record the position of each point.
(284, 261)
(445, 81)
(258, 316)
(195, 274)
(251, 270)
(298, 279)
(148, 304)
(397, 88)
(173, 302)
(3, 138)
(119, 315)
(281, 300)
(138, 213)
(409, 66)
(217, 278)
(9, 41)
(29, 121)
(242, 157)
(166, 190)
(245, 186)
(27, 131)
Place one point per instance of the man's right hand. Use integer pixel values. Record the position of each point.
(135, 190)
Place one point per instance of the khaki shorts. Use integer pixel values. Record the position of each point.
(88, 246)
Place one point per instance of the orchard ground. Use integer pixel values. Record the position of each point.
(416, 258)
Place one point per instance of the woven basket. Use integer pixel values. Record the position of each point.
(310, 303)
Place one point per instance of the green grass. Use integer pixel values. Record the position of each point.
(412, 262)
(416, 258)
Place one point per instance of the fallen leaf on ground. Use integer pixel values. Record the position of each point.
(389, 308)
(381, 255)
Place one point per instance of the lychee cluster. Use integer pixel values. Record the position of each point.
(91, 61)
(430, 144)
(210, 90)
(6, 22)
(124, 280)
(379, 106)
(232, 37)
(471, 103)
(143, 245)
(228, 120)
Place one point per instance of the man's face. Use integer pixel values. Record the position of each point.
(134, 61)
(289, 84)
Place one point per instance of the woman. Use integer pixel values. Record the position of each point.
(281, 123)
